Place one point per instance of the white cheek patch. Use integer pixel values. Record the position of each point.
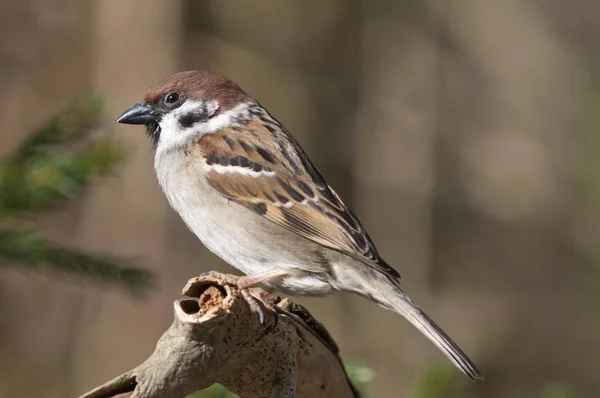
(173, 135)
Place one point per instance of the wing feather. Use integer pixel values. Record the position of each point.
(275, 179)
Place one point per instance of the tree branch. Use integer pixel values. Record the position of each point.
(218, 337)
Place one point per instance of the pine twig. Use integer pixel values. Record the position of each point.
(44, 181)
(72, 124)
(28, 249)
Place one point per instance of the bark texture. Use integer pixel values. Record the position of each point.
(254, 349)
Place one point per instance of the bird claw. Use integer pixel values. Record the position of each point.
(268, 315)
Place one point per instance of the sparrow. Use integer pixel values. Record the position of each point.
(249, 192)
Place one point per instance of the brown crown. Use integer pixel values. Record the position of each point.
(199, 85)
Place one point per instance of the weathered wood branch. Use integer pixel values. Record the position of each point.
(219, 336)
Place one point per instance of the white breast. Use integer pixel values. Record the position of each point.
(207, 214)
(229, 230)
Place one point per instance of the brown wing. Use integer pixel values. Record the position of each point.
(275, 179)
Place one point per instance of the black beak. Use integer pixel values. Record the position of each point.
(139, 113)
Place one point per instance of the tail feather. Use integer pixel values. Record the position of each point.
(403, 305)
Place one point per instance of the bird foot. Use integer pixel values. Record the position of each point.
(267, 313)
(244, 282)
(268, 316)
(259, 292)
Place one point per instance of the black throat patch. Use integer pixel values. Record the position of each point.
(153, 131)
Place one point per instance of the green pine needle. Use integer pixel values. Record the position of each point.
(27, 249)
(45, 171)
(42, 182)
(72, 124)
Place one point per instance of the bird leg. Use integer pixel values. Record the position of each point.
(247, 281)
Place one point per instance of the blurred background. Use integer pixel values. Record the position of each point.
(463, 133)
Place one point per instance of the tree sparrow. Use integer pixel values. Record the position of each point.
(250, 193)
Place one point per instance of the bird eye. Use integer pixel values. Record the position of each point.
(171, 98)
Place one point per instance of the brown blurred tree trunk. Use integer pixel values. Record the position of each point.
(501, 219)
(395, 174)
